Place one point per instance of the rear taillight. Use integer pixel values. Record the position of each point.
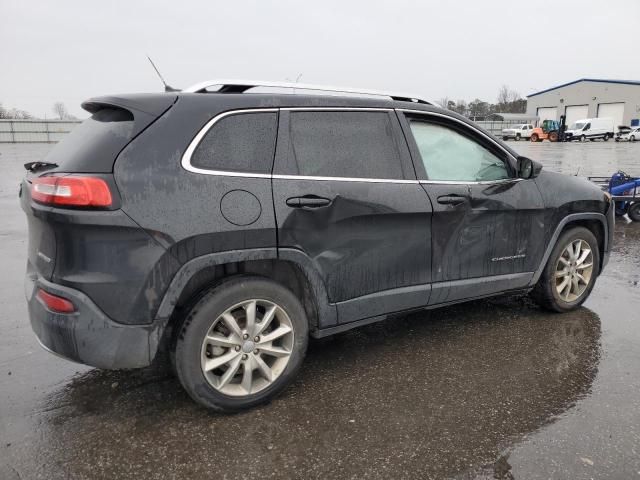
(73, 191)
(55, 303)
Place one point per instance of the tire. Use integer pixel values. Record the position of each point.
(632, 138)
(634, 212)
(234, 298)
(582, 138)
(517, 137)
(553, 136)
(621, 211)
(606, 137)
(546, 292)
(592, 139)
(534, 137)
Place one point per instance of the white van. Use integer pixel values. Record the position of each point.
(590, 128)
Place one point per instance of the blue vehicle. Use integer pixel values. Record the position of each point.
(625, 192)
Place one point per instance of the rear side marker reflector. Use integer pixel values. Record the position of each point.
(55, 303)
(71, 191)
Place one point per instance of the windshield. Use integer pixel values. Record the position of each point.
(577, 126)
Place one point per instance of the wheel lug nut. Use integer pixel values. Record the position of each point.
(237, 348)
(245, 356)
(245, 336)
(257, 339)
(256, 351)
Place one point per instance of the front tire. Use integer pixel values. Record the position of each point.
(241, 344)
(571, 271)
(632, 138)
(518, 137)
(534, 137)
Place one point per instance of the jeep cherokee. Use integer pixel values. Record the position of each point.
(227, 225)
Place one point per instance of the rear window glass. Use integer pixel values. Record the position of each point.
(242, 142)
(343, 144)
(95, 143)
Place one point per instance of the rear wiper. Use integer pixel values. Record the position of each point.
(33, 166)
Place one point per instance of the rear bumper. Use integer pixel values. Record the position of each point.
(87, 336)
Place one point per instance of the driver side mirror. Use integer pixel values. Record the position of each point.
(528, 168)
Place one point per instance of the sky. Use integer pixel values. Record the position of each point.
(462, 49)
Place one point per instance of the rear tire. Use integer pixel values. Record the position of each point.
(621, 211)
(553, 137)
(606, 137)
(505, 138)
(634, 212)
(235, 321)
(562, 286)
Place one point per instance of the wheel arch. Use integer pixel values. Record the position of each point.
(596, 223)
(288, 267)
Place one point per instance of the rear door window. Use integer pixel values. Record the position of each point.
(352, 144)
(241, 142)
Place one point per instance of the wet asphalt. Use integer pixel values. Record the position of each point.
(488, 389)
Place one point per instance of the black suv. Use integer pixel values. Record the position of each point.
(225, 227)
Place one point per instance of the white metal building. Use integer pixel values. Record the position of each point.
(588, 98)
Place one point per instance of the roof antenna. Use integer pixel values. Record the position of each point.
(167, 88)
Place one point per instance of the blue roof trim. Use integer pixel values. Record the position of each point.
(599, 80)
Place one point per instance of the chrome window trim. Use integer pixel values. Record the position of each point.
(186, 157)
(344, 179)
(336, 109)
(480, 182)
(492, 140)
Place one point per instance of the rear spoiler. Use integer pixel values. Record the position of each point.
(151, 104)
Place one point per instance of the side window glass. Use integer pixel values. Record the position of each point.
(242, 142)
(450, 156)
(587, 126)
(353, 144)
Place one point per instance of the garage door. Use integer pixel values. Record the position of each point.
(612, 110)
(547, 113)
(576, 112)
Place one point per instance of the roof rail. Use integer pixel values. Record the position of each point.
(241, 86)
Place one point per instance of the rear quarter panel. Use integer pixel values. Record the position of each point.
(181, 209)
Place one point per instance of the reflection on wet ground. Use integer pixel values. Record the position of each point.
(489, 389)
(451, 386)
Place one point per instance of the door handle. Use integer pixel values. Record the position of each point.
(451, 199)
(308, 201)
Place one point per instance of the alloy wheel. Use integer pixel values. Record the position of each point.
(574, 270)
(247, 347)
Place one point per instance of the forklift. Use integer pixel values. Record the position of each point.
(551, 130)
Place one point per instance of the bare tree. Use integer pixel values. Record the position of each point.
(444, 102)
(3, 112)
(509, 101)
(460, 107)
(504, 95)
(60, 110)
